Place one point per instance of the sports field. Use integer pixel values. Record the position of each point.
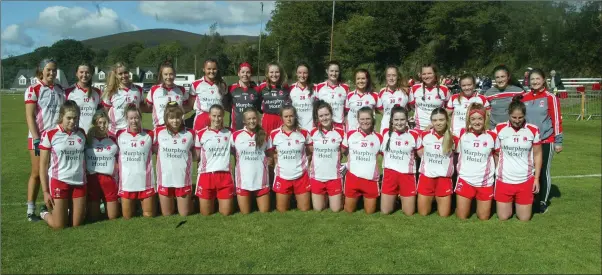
(564, 240)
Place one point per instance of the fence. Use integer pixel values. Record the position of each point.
(580, 103)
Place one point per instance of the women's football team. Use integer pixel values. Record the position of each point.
(88, 146)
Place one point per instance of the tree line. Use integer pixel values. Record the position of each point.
(458, 37)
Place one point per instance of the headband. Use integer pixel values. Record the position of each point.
(245, 64)
(45, 62)
(476, 111)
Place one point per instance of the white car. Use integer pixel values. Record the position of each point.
(184, 80)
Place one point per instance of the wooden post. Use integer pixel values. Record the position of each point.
(583, 105)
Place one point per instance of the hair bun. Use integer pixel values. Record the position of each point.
(517, 98)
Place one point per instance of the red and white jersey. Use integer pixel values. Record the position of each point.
(214, 148)
(290, 149)
(117, 104)
(48, 100)
(67, 160)
(302, 100)
(389, 99)
(459, 105)
(354, 102)
(426, 100)
(159, 96)
(88, 103)
(207, 94)
(402, 150)
(135, 160)
(101, 155)
(363, 150)
(475, 159)
(174, 157)
(251, 171)
(326, 157)
(515, 164)
(335, 96)
(434, 162)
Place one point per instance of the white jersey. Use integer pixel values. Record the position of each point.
(214, 148)
(389, 99)
(363, 150)
(459, 105)
(402, 150)
(326, 157)
(251, 171)
(135, 160)
(67, 160)
(48, 100)
(302, 101)
(174, 157)
(335, 96)
(88, 104)
(434, 162)
(290, 148)
(354, 102)
(101, 156)
(159, 96)
(117, 104)
(515, 164)
(426, 100)
(207, 94)
(475, 161)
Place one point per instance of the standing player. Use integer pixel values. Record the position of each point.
(288, 147)
(119, 93)
(362, 96)
(543, 111)
(275, 94)
(251, 172)
(206, 92)
(325, 145)
(519, 166)
(175, 152)
(501, 94)
(214, 178)
(362, 177)
(458, 104)
(476, 164)
(394, 94)
(436, 167)
(241, 95)
(43, 101)
(302, 96)
(399, 148)
(64, 182)
(166, 91)
(334, 92)
(101, 166)
(136, 173)
(86, 96)
(427, 96)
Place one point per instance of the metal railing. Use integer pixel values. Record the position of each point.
(580, 102)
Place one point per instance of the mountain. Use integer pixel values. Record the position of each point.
(154, 37)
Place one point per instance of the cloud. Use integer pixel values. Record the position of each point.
(15, 35)
(227, 14)
(80, 23)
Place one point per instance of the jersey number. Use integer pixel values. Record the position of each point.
(398, 143)
(134, 144)
(302, 97)
(476, 144)
(364, 144)
(99, 149)
(437, 146)
(515, 139)
(71, 142)
(359, 103)
(251, 143)
(87, 99)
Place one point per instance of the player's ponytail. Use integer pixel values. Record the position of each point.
(396, 109)
(260, 134)
(517, 104)
(448, 142)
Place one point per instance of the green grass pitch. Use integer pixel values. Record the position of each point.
(564, 240)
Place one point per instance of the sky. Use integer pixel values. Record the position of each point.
(27, 25)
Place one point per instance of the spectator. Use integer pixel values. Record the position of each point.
(555, 81)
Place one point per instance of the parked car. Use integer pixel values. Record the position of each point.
(184, 80)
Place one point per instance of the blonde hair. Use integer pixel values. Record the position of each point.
(448, 142)
(477, 106)
(173, 109)
(112, 84)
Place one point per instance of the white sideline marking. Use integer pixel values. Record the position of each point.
(578, 176)
(555, 177)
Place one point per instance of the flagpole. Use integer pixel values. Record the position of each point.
(331, 30)
(260, 29)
